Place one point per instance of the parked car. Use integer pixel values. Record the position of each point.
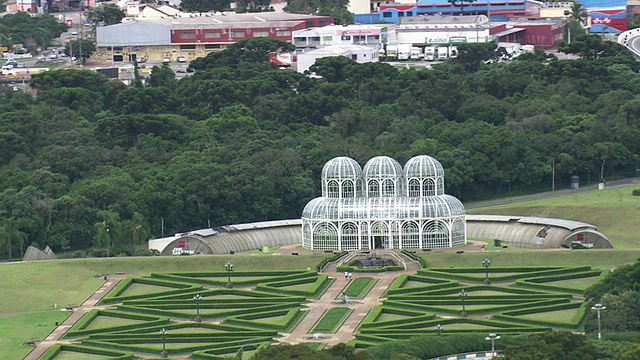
(74, 33)
(12, 63)
(166, 60)
(53, 56)
(181, 59)
(141, 59)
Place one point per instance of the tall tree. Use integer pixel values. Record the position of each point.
(205, 5)
(107, 14)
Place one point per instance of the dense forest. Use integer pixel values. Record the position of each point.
(86, 161)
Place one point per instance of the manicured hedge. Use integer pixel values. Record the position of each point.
(115, 295)
(221, 278)
(57, 348)
(320, 284)
(356, 269)
(79, 329)
(335, 257)
(412, 255)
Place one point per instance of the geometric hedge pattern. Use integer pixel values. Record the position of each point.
(234, 320)
(262, 304)
(519, 300)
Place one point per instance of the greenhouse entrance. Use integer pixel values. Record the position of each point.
(378, 242)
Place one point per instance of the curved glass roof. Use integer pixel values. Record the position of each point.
(341, 168)
(383, 167)
(362, 208)
(423, 166)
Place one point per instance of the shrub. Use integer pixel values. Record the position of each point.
(635, 192)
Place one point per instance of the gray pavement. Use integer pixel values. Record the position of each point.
(331, 299)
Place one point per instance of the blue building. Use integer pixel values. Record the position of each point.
(496, 10)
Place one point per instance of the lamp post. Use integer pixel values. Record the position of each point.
(463, 295)
(229, 267)
(197, 298)
(486, 263)
(588, 175)
(493, 337)
(163, 334)
(597, 307)
(439, 329)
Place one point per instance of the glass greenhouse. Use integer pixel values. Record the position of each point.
(383, 205)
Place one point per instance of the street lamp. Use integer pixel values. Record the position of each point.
(229, 267)
(597, 307)
(493, 337)
(197, 298)
(439, 329)
(463, 294)
(588, 175)
(486, 263)
(163, 334)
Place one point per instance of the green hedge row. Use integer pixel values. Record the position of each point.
(412, 255)
(525, 272)
(57, 348)
(210, 278)
(574, 323)
(167, 310)
(335, 257)
(115, 295)
(175, 346)
(539, 282)
(319, 285)
(356, 269)
(223, 295)
(289, 317)
(217, 353)
(430, 284)
(79, 329)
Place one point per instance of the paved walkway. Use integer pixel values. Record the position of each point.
(77, 314)
(331, 299)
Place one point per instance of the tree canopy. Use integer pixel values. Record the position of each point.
(241, 140)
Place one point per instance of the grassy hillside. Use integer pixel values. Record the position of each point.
(614, 211)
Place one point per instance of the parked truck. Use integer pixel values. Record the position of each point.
(416, 53)
(404, 51)
(430, 53)
(443, 53)
(392, 52)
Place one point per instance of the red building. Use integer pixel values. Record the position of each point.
(194, 35)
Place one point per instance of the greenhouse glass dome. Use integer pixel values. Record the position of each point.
(383, 205)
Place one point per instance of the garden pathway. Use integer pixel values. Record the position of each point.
(331, 299)
(78, 313)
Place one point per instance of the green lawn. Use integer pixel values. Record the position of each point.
(74, 355)
(359, 287)
(611, 210)
(16, 329)
(331, 320)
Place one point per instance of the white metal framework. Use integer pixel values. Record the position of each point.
(383, 206)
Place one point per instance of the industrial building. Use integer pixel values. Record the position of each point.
(194, 35)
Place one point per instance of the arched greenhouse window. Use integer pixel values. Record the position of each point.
(410, 235)
(373, 188)
(428, 188)
(414, 188)
(349, 236)
(325, 236)
(435, 235)
(388, 188)
(333, 190)
(347, 189)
